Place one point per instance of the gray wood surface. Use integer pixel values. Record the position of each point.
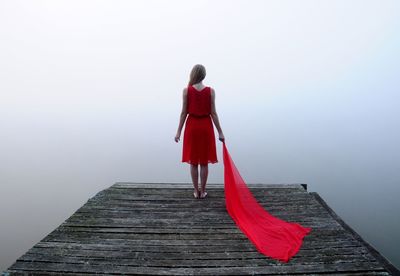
(160, 229)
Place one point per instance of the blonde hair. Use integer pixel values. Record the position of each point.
(197, 74)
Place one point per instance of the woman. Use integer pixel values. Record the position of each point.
(198, 110)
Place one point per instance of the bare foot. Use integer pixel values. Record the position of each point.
(203, 194)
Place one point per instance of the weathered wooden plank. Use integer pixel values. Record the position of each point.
(203, 231)
(169, 233)
(173, 206)
(216, 270)
(366, 273)
(169, 222)
(136, 259)
(200, 245)
(195, 217)
(132, 185)
(102, 251)
(124, 245)
(173, 197)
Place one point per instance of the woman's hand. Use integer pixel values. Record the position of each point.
(221, 137)
(177, 136)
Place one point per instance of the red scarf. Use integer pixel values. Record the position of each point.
(271, 236)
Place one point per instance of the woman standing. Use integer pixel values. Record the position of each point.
(199, 112)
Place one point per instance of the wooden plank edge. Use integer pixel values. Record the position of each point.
(302, 186)
(380, 258)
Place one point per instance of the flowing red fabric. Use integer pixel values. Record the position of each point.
(271, 236)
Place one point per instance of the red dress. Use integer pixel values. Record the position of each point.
(199, 138)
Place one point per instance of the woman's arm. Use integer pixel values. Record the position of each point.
(183, 115)
(214, 116)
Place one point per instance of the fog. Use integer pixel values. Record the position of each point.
(91, 91)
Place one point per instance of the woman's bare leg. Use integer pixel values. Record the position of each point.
(203, 177)
(194, 172)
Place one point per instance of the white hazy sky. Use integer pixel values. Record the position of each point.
(306, 92)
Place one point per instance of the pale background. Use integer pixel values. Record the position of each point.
(306, 92)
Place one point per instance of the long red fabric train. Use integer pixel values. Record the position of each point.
(271, 236)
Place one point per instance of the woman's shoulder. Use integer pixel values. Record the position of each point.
(212, 90)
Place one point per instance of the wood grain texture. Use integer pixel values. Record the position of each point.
(160, 229)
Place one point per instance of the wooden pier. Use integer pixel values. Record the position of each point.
(160, 229)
